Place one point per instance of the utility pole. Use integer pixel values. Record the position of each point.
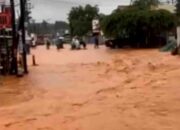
(22, 22)
(14, 67)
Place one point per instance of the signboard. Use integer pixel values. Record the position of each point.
(96, 26)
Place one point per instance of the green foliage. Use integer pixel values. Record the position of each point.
(178, 8)
(145, 4)
(80, 19)
(140, 25)
(178, 11)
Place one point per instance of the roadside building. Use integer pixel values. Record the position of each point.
(169, 7)
(5, 39)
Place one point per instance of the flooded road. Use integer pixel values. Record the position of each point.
(94, 90)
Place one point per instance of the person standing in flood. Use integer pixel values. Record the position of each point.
(77, 43)
(96, 41)
(47, 43)
(59, 43)
(82, 42)
(73, 44)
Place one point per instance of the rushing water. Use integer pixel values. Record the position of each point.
(93, 90)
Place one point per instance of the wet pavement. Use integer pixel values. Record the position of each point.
(93, 89)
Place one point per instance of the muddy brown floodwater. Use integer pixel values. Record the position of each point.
(92, 89)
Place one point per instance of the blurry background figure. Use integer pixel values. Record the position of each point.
(83, 43)
(75, 44)
(96, 41)
(60, 43)
(33, 40)
(28, 43)
(48, 43)
(96, 31)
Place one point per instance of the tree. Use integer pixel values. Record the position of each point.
(178, 10)
(139, 26)
(80, 19)
(101, 16)
(145, 4)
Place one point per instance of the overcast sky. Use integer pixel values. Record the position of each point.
(52, 10)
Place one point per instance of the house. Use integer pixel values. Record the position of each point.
(122, 7)
(170, 7)
(166, 6)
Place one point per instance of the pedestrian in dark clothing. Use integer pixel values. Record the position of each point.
(59, 44)
(96, 40)
(83, 43)
(48, 45)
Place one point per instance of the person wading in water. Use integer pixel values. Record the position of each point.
(96, 41)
